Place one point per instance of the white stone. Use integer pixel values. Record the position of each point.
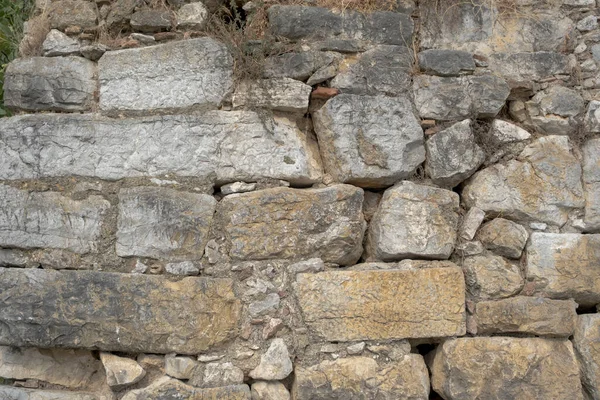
(120, 371)
(275, 364)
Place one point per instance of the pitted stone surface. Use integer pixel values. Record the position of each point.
(50, 84)
(177, 75)
(234, 145)
(48, 219)
(565, 266)
(347, 305)
(296, 224)
(515, 368)
(115, 312)
(163, 223)
(362, 378)
(414, 221)
(369, 141)
(542, 185)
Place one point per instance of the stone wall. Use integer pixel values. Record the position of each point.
(405, 205)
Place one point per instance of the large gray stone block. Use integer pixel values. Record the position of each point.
(369, 141)
(194, 73)
(163, 223)
(233, 146)
(115, 312)
(50, 220)
(50, 84)
(522, 69)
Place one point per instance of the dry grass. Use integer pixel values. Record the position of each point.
(38, 28)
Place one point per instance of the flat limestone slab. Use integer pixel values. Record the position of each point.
(378, 305)
(231, 145)
(115, 312)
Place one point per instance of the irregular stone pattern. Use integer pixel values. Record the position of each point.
(166, 389)
(115, 312)
(163, 223)
(292, 223)
(414, 221)
(280, 94)
(362, 378)
(565, 266)
(503, 237)
(530, 315)
(347, 305)
(369, 141)
(515, 368)
(229, 145)
(542, 185)
(586, 341)
(177, 75)
(491, 277)
(50, 84)
(49, 220)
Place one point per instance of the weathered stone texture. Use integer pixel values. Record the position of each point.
(453, 98)
(50, 220)
(10, 393)
(121, 371)
(234, 145)
(414, 221)
(505, 369)
(591, 184)
(543, 184)
(178, 75)
(269, 391)
(312, 23)
(163, 223)
(166, 389)
(362, 378)
(565, 266)
(348, 305)
(50, 84)
(369, 141)
(520, 70)
(150, 21)
(115, 312)
(446, 62)
(555, 110)
(280, 94)
(586, 341)
(299, 65)
(65, 13)
(503, 237)
(491, 277)
(291, 223)
(59, 44)
(530, 315)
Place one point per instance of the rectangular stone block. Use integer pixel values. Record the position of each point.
(177, 75)
(115, 312)
(10, 393)
(163, 223)
(49, 220)
(380, 305)
(531, 315)
(231, 146)
(280, 94)
(294, 224)
(565, 265)
(50, 84)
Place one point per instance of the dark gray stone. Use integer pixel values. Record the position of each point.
(300, 65)
(446, 62)
(151, 21)
(65, 13)
(115, 312)
(59, 44)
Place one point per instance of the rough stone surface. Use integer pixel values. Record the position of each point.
(565, 266)
(471, 222)
(269, 391)
(299, 65)
(529, 315)
(346, 305)
(453, 155)
(586, 341)
(65, 13)
(69, 368)
(491, 277)
(452, 98)
(120, 371)
(279, 94)
(414, 221)
(179, 367)
(369, 141)
(192, 16)
(542, 185)
(592, 116)
(48, 219)
(167, 388)
(59, 44)
(313, 23)
(506, 132)
(216, 374)
(163, 223)
(78, 309)
(446, 62)
(275, 364)
(503, 237)
(380, 70)
(291, 223)
(515, 368)
(128, 77)
(238, 187)
(231, 145)
(362, 378)
(10, 393)
(591, 184)
(555, 110)
(520, 70)
(50, 84)
(150, 21)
